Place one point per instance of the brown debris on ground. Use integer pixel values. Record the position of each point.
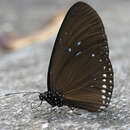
(13, 42)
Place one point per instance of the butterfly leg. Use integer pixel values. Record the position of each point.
(74, 110)
(52, 113)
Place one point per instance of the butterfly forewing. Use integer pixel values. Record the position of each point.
(80, 68)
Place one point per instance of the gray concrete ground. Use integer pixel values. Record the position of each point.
(26, 69)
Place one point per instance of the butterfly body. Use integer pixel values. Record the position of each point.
(53, 99)
(80, 73)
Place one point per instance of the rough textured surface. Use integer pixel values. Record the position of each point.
(26, 69)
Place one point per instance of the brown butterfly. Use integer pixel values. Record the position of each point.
(80, 72)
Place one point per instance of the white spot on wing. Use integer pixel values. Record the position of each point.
(78, 53)
(92, 86)
(103, 97)
(78, 43)
(69, 49)
(111, 74)
(109, 93)
(104, 80)
(105, 75)
(110, 87)
(104, 86)
(100, 60)
(110, 81)
(103, 101)
(104, 67)
(106, 59)
(108, 98)
(109, 69)
(107, 103)
(106, 53)
(106, 47)
(103, 91)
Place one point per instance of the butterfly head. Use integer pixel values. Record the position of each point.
(52, 99)
(43, 96)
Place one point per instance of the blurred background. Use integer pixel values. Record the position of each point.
(24, 17)
(24, 67)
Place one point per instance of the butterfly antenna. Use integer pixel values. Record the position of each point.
(8, 94)
(40, 104)
(36, 106)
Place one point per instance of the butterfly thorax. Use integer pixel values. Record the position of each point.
(53, 99)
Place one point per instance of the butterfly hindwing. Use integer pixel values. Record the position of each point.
(93, 89)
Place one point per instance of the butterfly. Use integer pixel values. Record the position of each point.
(80, 73)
